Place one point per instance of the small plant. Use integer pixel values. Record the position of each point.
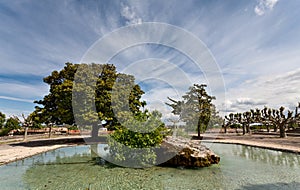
(73, 127)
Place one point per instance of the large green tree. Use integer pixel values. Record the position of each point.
(88, 88)
(196, 107)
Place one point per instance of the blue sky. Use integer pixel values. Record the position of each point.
(255, 43)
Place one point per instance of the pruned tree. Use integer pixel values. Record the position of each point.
(26, 123)
(279, 119)
(267, 116)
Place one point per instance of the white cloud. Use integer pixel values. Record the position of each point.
(271, 91)
(264, 5)
(259, 11)
(130, 16)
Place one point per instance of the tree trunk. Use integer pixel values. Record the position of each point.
(275, 128)
(225, 128)
(175, 131)
(198, 132)
(268, 128)
(244, 129)
(50, 130)
(25, 133)
(198, 128)
(248, 130)
(282, 131)
(95, 130)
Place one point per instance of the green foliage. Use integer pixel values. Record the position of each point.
(216, 120)
(134, 141)
(12, 123)
(56, 107)
(113, 94)
(73, 127)
(37, 126)
(4, 132)
(235, 126)
(2, 120)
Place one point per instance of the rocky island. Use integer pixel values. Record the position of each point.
(188, 153)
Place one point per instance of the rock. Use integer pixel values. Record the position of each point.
(188, 153)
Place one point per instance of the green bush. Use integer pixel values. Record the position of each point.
(73, 127)
(134, 142)
(12, 123)
(4, 132)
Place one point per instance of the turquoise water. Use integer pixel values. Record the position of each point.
(241, 167)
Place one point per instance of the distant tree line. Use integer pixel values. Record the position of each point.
(14, 123)
(268, 117)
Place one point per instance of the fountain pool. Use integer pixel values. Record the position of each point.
(241, 167)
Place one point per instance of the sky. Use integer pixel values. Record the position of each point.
(252, 45)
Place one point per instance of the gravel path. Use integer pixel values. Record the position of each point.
(10, 152)
(289, 144)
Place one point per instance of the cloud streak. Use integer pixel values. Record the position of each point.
(16, 99)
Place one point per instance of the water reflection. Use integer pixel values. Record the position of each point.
(266, 156)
